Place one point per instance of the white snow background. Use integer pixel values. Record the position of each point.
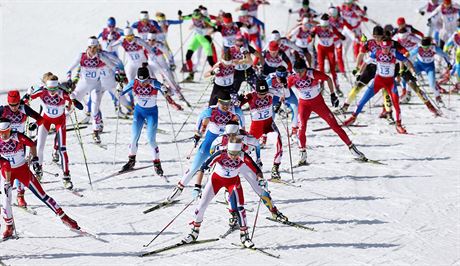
(403, 213)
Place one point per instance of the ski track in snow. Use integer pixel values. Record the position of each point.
(405, 212)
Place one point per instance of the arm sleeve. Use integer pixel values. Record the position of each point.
(25, 140)
(172, 22)
(5, 164)
(417, 32)
(251, 164)
(127, 88)
(206, 113)
(36, 93)
(30, 112)
(440, 52)
(134, 25)
(400, 57)
(320, 75)
(210, 161)
(251, 141)
(75, 63)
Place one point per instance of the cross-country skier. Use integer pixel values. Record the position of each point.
(14, 166)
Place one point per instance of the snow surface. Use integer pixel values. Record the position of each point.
(402, 213)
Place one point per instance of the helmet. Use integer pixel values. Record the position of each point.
(143, 73)
(227, 18)
(400, 21)
(261, 86)
(273, 46)
(426, 41)
(305, 3)
(111, 22)
(447, 2)
(14, 97)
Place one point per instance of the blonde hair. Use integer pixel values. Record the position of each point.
(47, 76)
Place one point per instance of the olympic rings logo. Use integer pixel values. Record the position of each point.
(15, 118)
(7, 147)
(227, 162)
(50, 100)
(143, 90)
(222, 119)
(90, 62)
(261, 102)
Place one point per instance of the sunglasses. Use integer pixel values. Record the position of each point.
(13, 104)
(233, 153)
(224, 102)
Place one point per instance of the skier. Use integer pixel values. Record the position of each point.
(448, 14)
(14, 166)
(54, 102)
(162, 36)
(229, 31)
(255, 28)
(273, 58)
(145, 25)
(224, 72)
(305, 11)
(228, 165)
(18, 113)
(249, 144)
(261, 110)
(145, 91)
(454, 41)
(306, 82)
(302, 38)
(211, 123)
(277, 82)
(385, 59)
(109, 35)
(338, 22)
(434, 23)
(242, 57)
(91, 62)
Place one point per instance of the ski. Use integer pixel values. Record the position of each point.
(226, 204)
(86, 234)
(229, 231)
(26, 209)
(71, 128)
(366, 160)
(15, 237)
(293, 224)
(327, 128)
(74, 192)
(160, 205)
(177, 245)
(279, 181)
(258, 250)
(133, 169)
(100, 145)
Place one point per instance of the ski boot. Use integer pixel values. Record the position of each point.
(359, 155)
(275, 172)
(344, 107)
(69, 222)
(172, 67)
(193, 234)
(339, 91)
(233, 221)
(294, 137)
(245, 239)
(190, 77)
(130, 164)
(55, 156)
(350, 121)
(263, 141)
(21, 201)
(433, 109)
(8, 233)
(277, 215)
(405, 96)
(390, 119)
(96, 137)
(86, 119)
(67, 182)
(303, 158)
(439, 101)
(176, 192)
(157, 167)
(399, 128)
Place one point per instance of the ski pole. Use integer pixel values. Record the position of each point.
(181, 43)
(193, 108)
(77, 131)
(118, 120)
(289, 144)
(162, 230)
(255, 219)
(174, 137)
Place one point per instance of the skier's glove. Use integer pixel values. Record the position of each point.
(334, 100)
(262, 183)
(120, 76)
(277, 107)
(196, 192)
(196, 139)
(215, 71)
(36, 166)
(259, 163)
(355, 71)
(7, 188)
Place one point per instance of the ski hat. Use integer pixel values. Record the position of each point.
(14, 97)
(232, 127)
(196, 14)
(377, 30)
(333, 11)
(348, 1)
(276, 35)
(261, 86)
(305, 3)
(299, 65)
(224, 97)
(203, 10)
(52, 85)
(111, 22)
(160, 16)
(144, 15)
(151, 36)
(5, 124)
(227, 18)
(143, 73)
(324, 22)
(447, 2)
(234, 147)
(128, 31)
(426, 41)
(273, 46)
(92, 41)
(281, 72)
(400, 21)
